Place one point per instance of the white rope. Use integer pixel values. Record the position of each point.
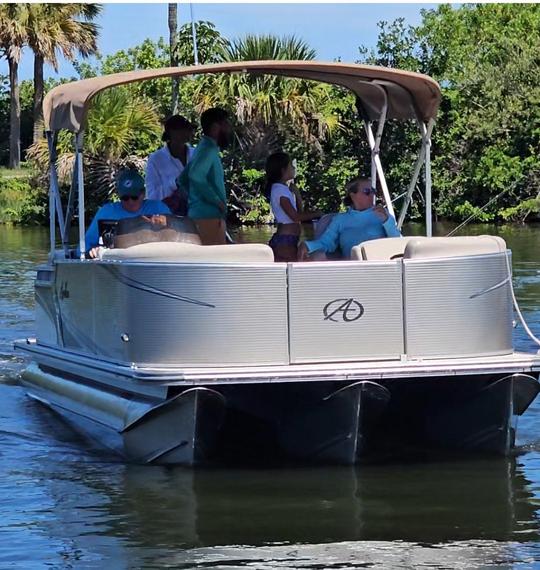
(516, 306)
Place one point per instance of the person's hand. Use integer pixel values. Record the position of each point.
(222, 207)
(303, 252)
(381, 213)
(173, 201)
(317, 214)
(94, 253)
(156, 219)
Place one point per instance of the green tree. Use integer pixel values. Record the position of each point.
(122, 130)
(53, 29)
(13, 37)
(486, 58)
(210, 44)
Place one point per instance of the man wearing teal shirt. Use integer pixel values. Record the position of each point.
(204, 181)
(361, 222)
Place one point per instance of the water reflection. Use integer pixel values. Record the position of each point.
(177, 508)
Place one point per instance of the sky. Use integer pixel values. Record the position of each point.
(333, 30)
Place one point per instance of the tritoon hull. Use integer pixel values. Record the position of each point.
(180, 430)
(225, 356)
(317, 422)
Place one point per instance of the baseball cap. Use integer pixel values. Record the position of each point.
(129, 183)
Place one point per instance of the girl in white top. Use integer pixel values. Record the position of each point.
(287, 206)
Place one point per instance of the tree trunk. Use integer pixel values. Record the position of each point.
(173, 24)
(15, 115)
(38, 97)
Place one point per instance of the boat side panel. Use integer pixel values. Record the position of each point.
(46, 316)
(74, 291)
(345, 311)
(192, 314)
(458, 307)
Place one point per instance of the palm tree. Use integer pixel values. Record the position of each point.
(173, 24)
(266, 105)
(13, 37)
(118, 121)
(53, 28)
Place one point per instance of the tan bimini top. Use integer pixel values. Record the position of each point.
(410, 95)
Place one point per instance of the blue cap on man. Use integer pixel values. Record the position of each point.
(129, 183)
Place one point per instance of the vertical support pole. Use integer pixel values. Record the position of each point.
(373, 165)
(71, 198)
(426, 131)
(194, 36)
(51, 141)
(412, 184)
(425, 134)
(79, 137)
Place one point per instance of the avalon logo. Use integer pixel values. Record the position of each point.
(346, 310)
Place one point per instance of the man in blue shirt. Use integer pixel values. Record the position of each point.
(130, 188)
(363, 221)
(204, 180)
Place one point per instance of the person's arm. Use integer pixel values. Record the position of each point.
(152, 180)
(299, 202)
(296, 216)
(389, 222)
(329, 241)
(91, 237)
(201, 175)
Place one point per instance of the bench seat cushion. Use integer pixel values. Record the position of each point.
(187, 252)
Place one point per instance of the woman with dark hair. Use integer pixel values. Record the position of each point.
(362, 221)
(287, 206)
(166, 164)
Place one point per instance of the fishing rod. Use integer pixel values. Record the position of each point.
(478, 212)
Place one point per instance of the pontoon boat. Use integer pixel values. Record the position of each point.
(171, 352)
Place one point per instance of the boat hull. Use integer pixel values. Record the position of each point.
(179, 430)
(332, 422)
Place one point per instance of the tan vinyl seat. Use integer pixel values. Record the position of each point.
(188, 252)
(419, 247)
(443, 247)
(383, 249)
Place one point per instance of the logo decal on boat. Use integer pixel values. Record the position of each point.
(346, 310)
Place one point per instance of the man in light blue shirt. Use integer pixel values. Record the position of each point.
(130, 188)
(363, 221)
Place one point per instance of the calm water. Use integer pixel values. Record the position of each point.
(66, 505)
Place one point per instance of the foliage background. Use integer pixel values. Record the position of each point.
(486, 58)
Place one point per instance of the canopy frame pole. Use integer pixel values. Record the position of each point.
(412, 185)
(376, 160)
(416, 173)
(52, 138)
(426, 135)
(71, 198)
(374, 144)
(79, 138)
(378, 137)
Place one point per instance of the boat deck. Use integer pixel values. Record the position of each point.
(76, 363)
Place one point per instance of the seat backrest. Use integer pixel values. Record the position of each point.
(188, 252)
(382, 249)
(134, 231)
(443, 247)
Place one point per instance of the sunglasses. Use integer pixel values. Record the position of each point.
(367, 191)
(128, 197)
